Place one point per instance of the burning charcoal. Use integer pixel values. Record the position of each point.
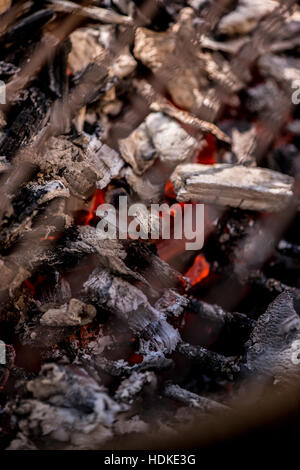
(93, 12)
(184, 71)
(172, 303)
(23, 28)
(190, 120)
(235, 186)
(168, 88)
(220, 319)
(81, 171)
(138, 150)
(270, 351)
(27, 124)
(132, 386)
(110, 253)
(157, 136)
(245, 17)
(209, 361)
(205, 405)
(73, 314)
(68, 407)
(151, 361)
(143, 187)
(130, 305)
(25, 207)
(171, 141)
(285, 70)
(106, 160)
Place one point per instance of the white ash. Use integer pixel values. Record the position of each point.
(68, 408)
(233, 185)
(146, 190)
(106, 160)
(75, 313)
(189, 119)
(172, 303)
(245, 17)
(129, 388)
(159, 136)
(172, 143)
(51, 190)
(138, 149)
(130, 305)
(270, 350)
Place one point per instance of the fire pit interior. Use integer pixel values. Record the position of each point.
(177, 103)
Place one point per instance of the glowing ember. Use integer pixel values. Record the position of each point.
(208, 153)
(51, 238)
(199, 271)
(97, 199)
(169, 190)
(135, 359)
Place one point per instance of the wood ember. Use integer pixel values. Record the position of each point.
(192, 399)
(209, 360)
(235, 186)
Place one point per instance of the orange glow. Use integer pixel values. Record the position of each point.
(199, 271)
(169, 190)
(97, 199)
(208, 153)
(48, 238)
